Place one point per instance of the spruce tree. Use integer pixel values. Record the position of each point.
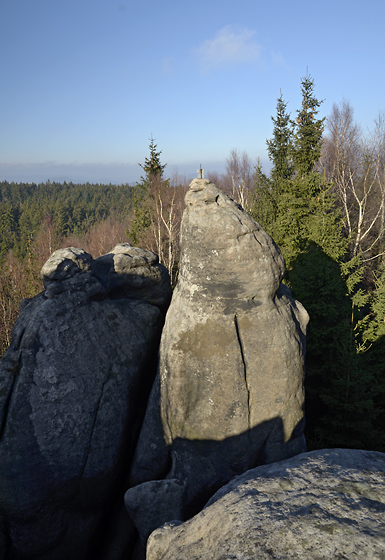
(372, 332)
(263, 206)
(268, 189)
(306, 210)
(279, 147)
(309, 129)
(152, 166)
(153, 169)
(307, 227)
(374, 329)
(294, 204)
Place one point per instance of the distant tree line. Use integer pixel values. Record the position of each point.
(73, 208)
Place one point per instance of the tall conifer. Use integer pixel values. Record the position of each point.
(279, 147)
(309, 129)
(153, 169)
(268, 189)
(307, 227)
(152, 166)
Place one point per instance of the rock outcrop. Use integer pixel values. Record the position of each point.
(73, 390)
(321, 505)
(231, 359)
(87, 410)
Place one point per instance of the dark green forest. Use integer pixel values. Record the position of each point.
(323, 202)
(73, 208)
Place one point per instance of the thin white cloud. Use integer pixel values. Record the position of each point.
(231, 45)
(167, 66)
(278, 59)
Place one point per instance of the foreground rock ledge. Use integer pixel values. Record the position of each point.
(325, 504)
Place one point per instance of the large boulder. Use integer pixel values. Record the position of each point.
(73, 390)
(321, 505)
(231, 357)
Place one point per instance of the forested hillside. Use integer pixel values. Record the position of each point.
(72, 208)
(324, 205)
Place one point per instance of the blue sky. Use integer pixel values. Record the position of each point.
(85, 83)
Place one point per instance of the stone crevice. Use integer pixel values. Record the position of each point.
(239, 339)
(13, 371)
(5, 410)
(84, 467)
(256, 239)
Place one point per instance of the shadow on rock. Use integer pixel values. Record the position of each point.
(201, 467)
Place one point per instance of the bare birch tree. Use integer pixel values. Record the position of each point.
(164, 206)
(167, 205)
(239, 177)
(355, 164)
(100, 238)
(157, 212)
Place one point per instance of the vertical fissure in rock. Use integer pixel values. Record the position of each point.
(89, 446)
(6, 409)
(7, 401)
(244, 367)
(256, 239)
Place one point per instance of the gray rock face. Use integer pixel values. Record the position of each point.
(232, 348)
(231, 354)
(73, 388)
(321, 505)
(164, 500)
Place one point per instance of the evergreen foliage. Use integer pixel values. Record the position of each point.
(295, 204)
(373, 327)
(141, 220)
(308, 135)
(7, 227)
(279, 147)
(264, 200)
(268, 189)
(373, 358)
(142, 207)
(74, 208)
(152, 166)
(157, 213)
(344, 399)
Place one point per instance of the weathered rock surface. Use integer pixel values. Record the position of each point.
(164, 499)
(131, 272)
(231, 356)
(73, 389)
(321, 505)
